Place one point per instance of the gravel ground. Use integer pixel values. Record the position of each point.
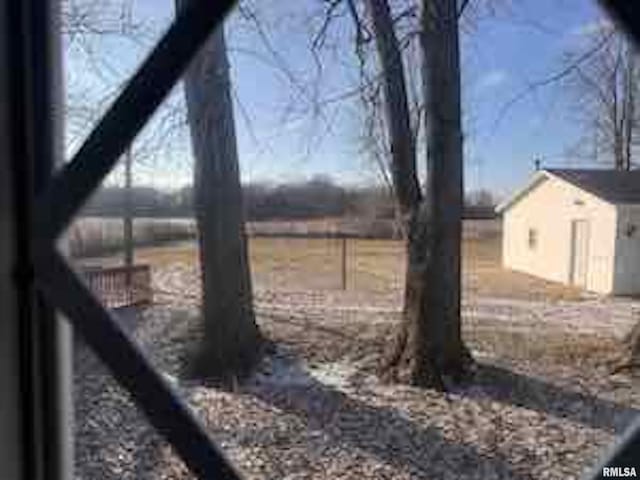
(315, 410)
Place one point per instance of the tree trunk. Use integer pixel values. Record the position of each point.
(398, 122)
(445, 193)
(618, 150)
(633, 342)
(428, 344)
(629, 357)
(231, 336)
(630, 88)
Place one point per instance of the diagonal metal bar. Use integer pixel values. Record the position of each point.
(627, 14)
(625, 453)
(133, 107)
(162, 406)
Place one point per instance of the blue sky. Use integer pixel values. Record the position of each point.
(281, 138)
(501, 59)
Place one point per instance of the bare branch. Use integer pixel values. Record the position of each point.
(462, 7)
(554, 78)
(282, 66)
(320, 37)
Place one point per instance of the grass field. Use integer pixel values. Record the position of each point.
(371, 265)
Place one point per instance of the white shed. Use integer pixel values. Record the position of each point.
(580, 227)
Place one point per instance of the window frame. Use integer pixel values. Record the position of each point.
(43, 205)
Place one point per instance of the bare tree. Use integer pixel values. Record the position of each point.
(602, 78)
(441, 77)
(231, 339)
(429, 340)
(85, 23)
(605, 90)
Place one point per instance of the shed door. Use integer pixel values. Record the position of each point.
(579, 252)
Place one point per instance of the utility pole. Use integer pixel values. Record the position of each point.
(128, 218)
(343, 244)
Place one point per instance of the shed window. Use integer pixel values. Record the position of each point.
(532, 238)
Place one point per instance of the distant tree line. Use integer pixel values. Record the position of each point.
(316, 198)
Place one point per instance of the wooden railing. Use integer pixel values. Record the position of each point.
(120, 286)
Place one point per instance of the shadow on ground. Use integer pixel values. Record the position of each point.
(508, 387)
(382, 432)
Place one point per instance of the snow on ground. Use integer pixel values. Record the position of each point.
(277, 369)
(594, 315)
(314, 408)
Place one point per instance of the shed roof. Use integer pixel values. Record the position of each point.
(613, 186)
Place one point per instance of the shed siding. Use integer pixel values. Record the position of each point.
(627, 260)
(548, 209)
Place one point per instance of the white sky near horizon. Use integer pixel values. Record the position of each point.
(279, 138)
